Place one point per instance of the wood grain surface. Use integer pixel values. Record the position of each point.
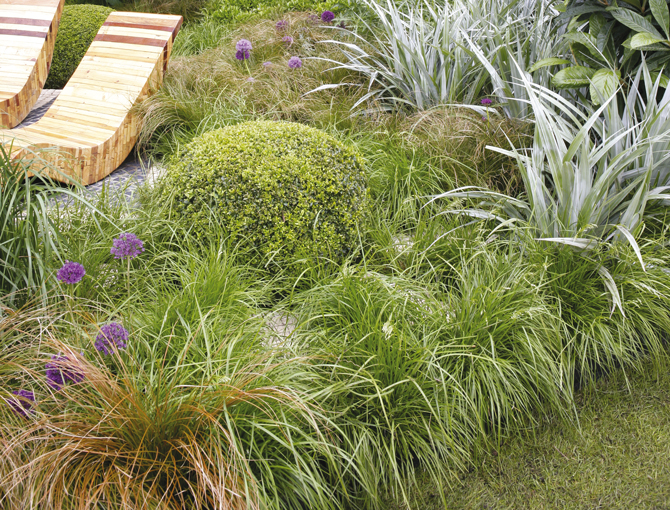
(90, 128)
(27, 35)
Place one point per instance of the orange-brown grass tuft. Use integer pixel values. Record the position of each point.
(136, 433)
(456, 139)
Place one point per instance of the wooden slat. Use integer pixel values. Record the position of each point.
(28, 31)
(90, 126)
(126, 39)
(4, 20)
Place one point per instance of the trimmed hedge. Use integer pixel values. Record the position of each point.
(78, 27)
(283, 189)
(238, 11)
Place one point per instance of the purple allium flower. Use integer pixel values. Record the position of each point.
(127, 245)
(267, 64)
(327, 16)
(243, 48)
(288, 40)
(111, 335)
(23, 404)
(486, 101)
(313, 19)
(58, 375)
(294, 62)
(71, 272)
(243, 45)
(282, 24)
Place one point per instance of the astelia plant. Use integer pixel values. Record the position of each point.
(511, 42)
(587, 177)
(417, 56)
(608, 42)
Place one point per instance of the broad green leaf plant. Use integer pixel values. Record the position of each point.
(609, 40)
(588, 177)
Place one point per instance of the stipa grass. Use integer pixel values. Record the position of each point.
(455, 140)
(213, 90)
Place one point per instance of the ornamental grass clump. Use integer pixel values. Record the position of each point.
(28, 237)
(283, 191)
(236, 435)
(190, 102)
(60, 371)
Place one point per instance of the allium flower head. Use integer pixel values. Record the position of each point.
(294, 62)
(287, 39)
(126, 246)
(486, 101)
(23, 404)
(58, 374)
(327, 16)
(313, 19)
(243, 48)
(111, 335)
(282, 24)
(243, 45)
(71, 272)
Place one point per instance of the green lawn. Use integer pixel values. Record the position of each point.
(619, 458)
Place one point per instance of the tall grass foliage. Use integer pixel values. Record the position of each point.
(427, 54)
(28, 236)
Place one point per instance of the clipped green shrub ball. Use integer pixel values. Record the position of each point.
(283, 189)
(78, 27)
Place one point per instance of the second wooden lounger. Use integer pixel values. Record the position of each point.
(27, 36)
(90, 129)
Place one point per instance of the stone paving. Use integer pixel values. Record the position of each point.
(132, 172)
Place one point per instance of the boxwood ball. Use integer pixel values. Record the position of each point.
(283, 189)
(78, 27)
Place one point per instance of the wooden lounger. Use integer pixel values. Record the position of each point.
(27, 35)
(90, 129)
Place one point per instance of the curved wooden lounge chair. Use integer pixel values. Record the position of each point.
(27, 35)
(90, 128)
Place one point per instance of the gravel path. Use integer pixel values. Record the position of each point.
(132, 172)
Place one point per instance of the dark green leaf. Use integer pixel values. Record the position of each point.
(634, 21)
(660, 11)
